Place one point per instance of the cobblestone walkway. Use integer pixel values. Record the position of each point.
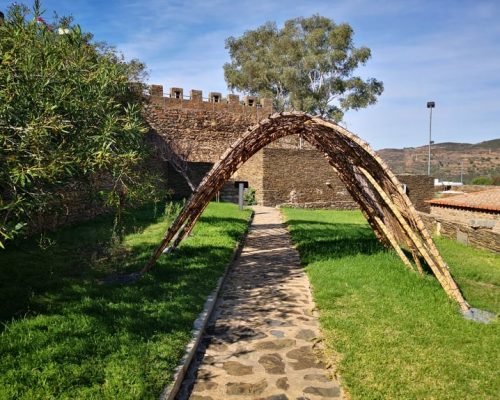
(262, 340)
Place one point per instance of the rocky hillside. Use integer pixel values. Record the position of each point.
(448, 160)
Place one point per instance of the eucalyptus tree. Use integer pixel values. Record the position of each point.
(306, 65)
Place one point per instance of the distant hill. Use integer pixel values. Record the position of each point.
(448, 160)
(489, 144)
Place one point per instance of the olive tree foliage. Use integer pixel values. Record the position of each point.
(307, 65)
(67, 114)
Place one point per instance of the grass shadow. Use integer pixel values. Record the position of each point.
(45, 264)
(317, 240)
(106, 341)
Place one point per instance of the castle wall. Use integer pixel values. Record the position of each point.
(253, 172)
(84, 200)
(304, 178)
(203, 130)
(179, 189)
(281, 173)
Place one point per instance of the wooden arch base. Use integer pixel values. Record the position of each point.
(379, 194)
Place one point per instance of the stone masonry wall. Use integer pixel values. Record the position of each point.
(179, 189)
(463, 233)
(419, 188)
(253, 172)
(205, 129)
(81, 200)
(202, 130)
(299, 178)
(71, 203)
(465, 216)
(302, 178)
(280, 173)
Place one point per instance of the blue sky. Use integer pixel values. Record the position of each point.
(445, 51)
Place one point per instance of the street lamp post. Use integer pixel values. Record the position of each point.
(430, 105)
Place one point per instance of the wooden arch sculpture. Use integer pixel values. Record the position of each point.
(378, 192)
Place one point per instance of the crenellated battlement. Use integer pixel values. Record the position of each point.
(176, 99)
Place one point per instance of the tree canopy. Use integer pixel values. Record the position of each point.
(67, 112)
(307, 65)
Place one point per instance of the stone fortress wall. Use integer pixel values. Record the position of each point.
(285, 172)
(206, 127)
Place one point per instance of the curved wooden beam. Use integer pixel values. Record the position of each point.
(372, 185)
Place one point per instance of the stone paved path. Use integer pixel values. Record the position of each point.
(262, 341)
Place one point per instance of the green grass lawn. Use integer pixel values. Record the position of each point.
(67, 336)
(391, 333)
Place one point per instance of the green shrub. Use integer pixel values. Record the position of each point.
(67, 113)
(249, 197)
(482, 180)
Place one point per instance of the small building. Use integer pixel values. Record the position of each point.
(447, 185)
(477, 210)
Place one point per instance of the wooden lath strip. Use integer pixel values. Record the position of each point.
(446, 282)
(394, 243)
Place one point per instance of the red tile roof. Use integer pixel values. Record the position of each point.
(487, 200)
